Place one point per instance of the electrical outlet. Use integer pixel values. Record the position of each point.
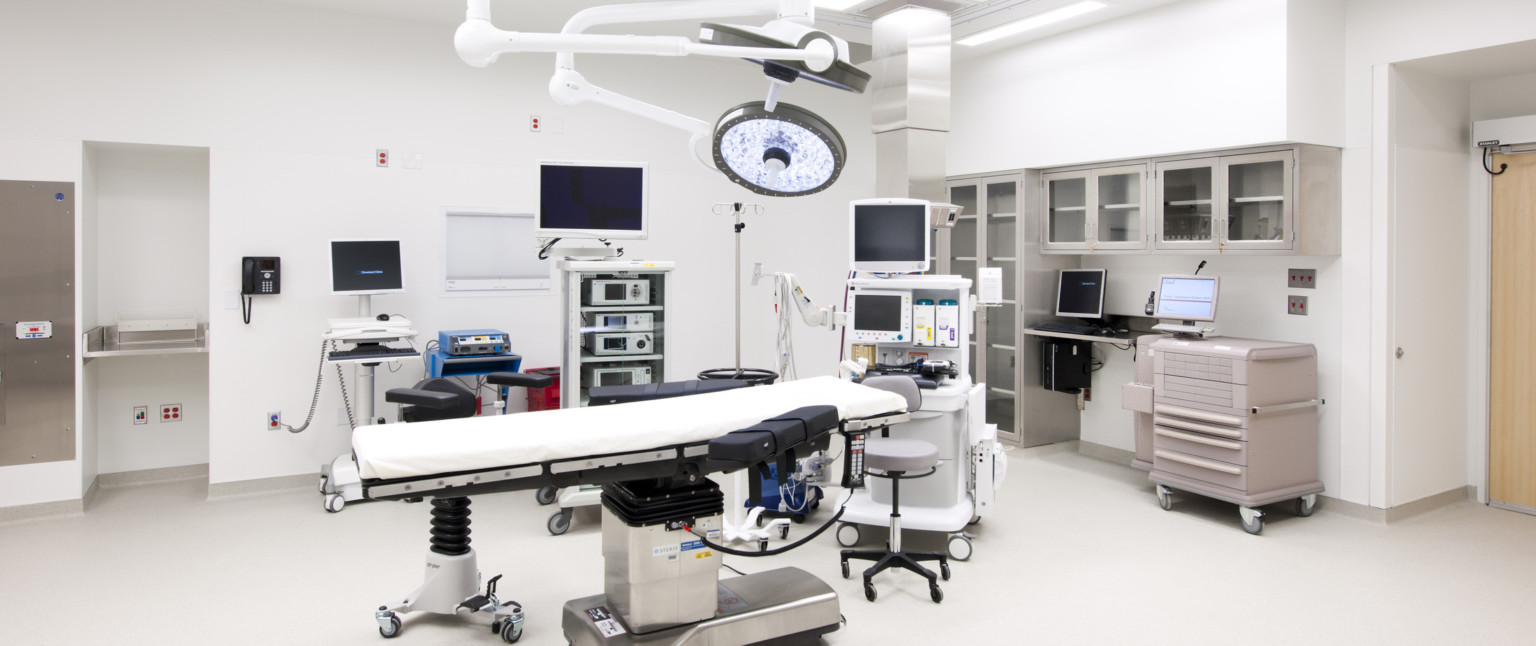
(274, 420)
(170, 413)
(533, 123)
(140, 415)
(381, 157)
(1302, 278)
(1296, 305)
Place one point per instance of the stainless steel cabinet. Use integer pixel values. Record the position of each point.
(1094, 209)
(1228, 203)
(987, 235)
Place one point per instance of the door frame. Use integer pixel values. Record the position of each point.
(1511, 131)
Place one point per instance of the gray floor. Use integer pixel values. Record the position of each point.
(1080, 553)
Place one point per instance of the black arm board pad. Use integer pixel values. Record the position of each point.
(519, 380)
(768, 438)
(604, 395)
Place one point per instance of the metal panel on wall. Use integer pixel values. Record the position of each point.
(37, 378)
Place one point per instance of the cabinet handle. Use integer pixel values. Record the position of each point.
(1197, 462)
(1220, 444)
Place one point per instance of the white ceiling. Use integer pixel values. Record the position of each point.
(549, 16)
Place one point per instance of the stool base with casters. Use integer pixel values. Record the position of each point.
(905, 454)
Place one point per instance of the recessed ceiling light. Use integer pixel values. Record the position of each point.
(1033, 22)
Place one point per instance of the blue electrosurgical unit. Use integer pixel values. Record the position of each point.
(460, 343)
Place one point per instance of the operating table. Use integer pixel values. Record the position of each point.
(660, 513)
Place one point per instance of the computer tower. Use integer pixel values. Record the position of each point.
(1065, 365)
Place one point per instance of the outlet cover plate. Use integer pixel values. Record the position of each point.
(1296, 305)
(171, 413)
(1301, 278)
(140, 415)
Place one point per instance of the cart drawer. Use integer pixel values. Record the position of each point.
(1218, 473)
(1204, 446)
(1188, 425)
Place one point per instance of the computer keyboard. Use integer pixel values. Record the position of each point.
(367, 351)
(1068, 328)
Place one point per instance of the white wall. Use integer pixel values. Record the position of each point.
(292, 103)
(1192, 75)
(45, 160)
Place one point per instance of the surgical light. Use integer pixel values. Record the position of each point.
(786, 152)
(1032, 22)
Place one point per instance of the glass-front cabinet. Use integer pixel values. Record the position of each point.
(1258, 200)
(986, 235)
(1102, 208)
(1231, 203)
(1186, 204)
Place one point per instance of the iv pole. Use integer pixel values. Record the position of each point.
(753, 376)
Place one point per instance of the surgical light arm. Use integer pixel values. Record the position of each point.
(479, 43)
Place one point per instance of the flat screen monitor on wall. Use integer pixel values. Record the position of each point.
(889, 235)
(1187, 298)
(366, 267)
(603, 200)
(1080, 293)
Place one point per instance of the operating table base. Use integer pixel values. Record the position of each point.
(785, 606)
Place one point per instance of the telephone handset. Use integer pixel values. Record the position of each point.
(259, 276)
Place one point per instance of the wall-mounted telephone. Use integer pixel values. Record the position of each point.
(259, 275)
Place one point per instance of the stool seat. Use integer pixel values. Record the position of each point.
(900, 454)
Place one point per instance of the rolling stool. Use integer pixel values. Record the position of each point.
(894, 458)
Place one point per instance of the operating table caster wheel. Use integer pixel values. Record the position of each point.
(389, 625)
(334, 502)
(545, 495)
(935, 593)
(560, 522)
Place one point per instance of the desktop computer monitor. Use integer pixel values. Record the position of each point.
(1187, 298)
(602, 200)
(1080, 293)
(889, 235)
(361, 267)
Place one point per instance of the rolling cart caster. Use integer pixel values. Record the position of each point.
(869, 591)
(1164, 497)
(943, 570)
(560, 522)
(389, 624)
(510, 631)
(545, 495)
(334, 502)
(783, 532)
(959, 547)
(1253, 520)
(935, 593)
(847, 534)
(1305, 505)
(846, 573)
(762, 544)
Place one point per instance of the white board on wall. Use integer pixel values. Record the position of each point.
(492, 252)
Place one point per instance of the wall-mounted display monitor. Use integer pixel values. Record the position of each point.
(603, 200)
(1080, 293)
(366, 267)
(889, 235)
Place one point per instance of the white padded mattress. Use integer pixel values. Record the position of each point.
(391, 451)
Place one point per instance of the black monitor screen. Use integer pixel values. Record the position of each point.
(1081, 293)
(877, 313)
(365, 266)
(890, 233)
(591, 197)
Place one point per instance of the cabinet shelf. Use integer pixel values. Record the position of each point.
(1260, 198)
(1187, 202)
(1069, 209)
(587, 357)
(621, 308)
(1119, 207)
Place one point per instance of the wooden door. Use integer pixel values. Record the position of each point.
(1512, 377)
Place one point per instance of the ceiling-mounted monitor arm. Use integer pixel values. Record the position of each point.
(479, 43)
